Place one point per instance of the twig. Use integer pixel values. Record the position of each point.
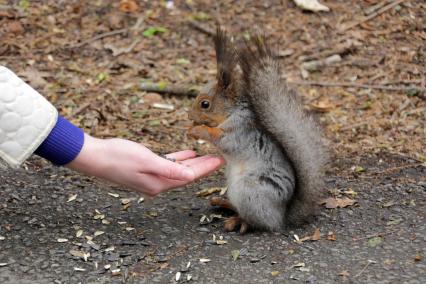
(98, 37)
(201, 28)
(375, 235)
(360, 86)
(364, 268)
(170, 89)
(80, 109)
(371, 16)
(116, 51)
(376, 7)
(388, 170)
(341, 48)
(136, 26)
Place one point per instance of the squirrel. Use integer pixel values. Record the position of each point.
(274, 150)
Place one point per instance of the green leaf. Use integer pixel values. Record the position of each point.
(183, 61)
(24, 4)
(235, 254)
(101, 77)
(162, 85)
(140, 114)
(151, 31)
(154, 122)
(201, 16)
(373, 242)
(359, 169)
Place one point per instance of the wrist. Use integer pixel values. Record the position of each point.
(90, 160)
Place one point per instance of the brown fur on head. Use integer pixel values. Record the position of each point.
(211, 105)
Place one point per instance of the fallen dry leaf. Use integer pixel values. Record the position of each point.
(208, 191)
(331, 236)
(128, 6)
(332, 202)
(322, 106)
(315, 237)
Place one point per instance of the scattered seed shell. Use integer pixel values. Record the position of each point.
(79, 269)
(115, 272)
(300, 264)
(163, 106)
(98, 233)
(99, 216)
(106, 222)
(3, 264)
(79, 233)
(81, 254)
(107, 266)
(177, 277)
(125, 201)
(116, 195)
(2, 238)
(204, 260)
(72, 198)
(109, 249)
(62, 240)
(141, 199)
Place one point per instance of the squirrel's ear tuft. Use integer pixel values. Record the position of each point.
(252, 54)
(225, 57)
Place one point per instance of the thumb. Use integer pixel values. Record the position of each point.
(172, 170)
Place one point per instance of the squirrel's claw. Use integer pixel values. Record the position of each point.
(232, 223)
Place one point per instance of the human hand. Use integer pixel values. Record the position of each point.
(133, 165)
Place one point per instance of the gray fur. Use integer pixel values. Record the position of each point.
(260, 177)
(280, 112)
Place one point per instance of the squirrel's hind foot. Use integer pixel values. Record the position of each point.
(232, 223)
(222, 202)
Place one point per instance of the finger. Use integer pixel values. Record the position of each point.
(199, 160)
(182, 155)
(170, 170)
(202, 167)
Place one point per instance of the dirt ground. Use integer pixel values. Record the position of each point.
(360, 68)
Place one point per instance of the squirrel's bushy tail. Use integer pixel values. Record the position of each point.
(280, 111)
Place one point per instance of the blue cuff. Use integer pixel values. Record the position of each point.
(63, 144)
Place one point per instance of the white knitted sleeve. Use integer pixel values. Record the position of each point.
(26, 118)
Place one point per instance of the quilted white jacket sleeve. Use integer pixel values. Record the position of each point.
(26, 118)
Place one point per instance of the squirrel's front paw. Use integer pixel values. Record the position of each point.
(194, 132)
(205, 133)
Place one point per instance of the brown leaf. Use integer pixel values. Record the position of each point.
(331, 236)
(331, 202)
(317, 235)
(128, 6)
(324, 105)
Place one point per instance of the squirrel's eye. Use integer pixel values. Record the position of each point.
(205, 104)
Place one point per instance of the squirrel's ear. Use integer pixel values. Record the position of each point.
(225, 57)
(252, 53)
